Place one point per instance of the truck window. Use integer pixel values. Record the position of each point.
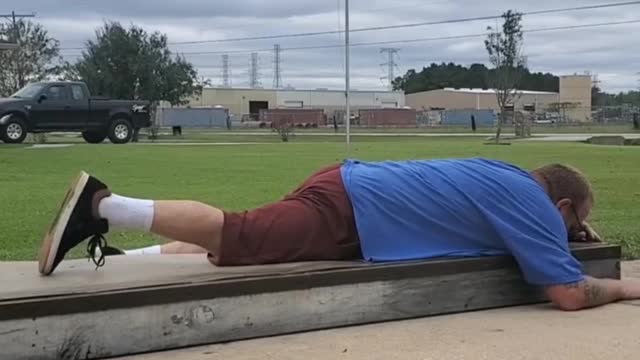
(56, 93)
(77, 92)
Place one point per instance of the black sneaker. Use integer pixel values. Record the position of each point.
(111, 251)
(75, 222)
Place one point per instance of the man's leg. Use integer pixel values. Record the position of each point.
(170, 248)
(313, 223)
(89, 211)
(177, 247)
(193, 225)
(186, 221)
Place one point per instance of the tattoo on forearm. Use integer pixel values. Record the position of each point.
(595, 294)
(574, 285)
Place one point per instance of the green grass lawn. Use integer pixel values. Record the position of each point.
(33, 181)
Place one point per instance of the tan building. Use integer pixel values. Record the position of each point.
(575, 97)
(245, 101)
(477, 99)
(572, 103)
(238, 101)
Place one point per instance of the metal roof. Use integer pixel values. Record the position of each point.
(319, 90)
(493, 91)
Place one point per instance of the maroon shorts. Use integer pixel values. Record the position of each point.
(314, 222)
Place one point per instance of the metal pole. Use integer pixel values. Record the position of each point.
(347, 86)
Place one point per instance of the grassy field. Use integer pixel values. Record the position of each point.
(33, 181)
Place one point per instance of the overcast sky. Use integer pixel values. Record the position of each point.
(612, 52)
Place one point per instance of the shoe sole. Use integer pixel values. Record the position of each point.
(51, 240)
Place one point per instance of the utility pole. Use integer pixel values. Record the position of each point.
(13, 16)
(390, 64)
(596, 84)
(225, 71)
(277, 71)
(347, 114)
(14, 43)
(638, 74)
(254, 71)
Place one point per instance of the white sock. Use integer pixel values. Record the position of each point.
(127, 213)
(150, 250)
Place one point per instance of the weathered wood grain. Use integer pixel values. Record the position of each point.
(310, 301)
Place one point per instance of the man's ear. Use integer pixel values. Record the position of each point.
(563, 203)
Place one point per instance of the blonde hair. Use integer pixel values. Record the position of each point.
(565, 182)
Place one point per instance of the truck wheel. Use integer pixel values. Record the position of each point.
(120, 131)
(14, 131)
(94, 137)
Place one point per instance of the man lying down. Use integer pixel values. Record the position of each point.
(376, 211)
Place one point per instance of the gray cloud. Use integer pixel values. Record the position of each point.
(607, 51)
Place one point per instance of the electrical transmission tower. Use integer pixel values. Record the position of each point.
(254, 71)
(390, 64)
(638, 74)
(226, 82)
(277, 71)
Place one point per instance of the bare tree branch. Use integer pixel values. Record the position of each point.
(504, 47)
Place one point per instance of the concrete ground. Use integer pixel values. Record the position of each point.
(525, 332)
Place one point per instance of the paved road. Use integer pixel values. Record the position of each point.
(538, 137)
(408, 134)
(576, 137)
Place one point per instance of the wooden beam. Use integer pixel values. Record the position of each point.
(141, 319)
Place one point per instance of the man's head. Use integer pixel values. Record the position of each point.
(569, 190)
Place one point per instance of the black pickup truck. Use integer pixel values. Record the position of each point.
(67, 106)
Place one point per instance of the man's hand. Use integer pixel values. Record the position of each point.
(592, 292)
(588, 234)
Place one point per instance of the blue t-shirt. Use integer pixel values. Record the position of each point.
(409, 210)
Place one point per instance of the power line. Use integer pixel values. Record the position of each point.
(376, 28)
(405, 41)
(14, 16)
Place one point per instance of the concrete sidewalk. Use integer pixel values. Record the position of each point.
(525, 332)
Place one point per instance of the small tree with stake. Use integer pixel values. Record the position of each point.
(505, 54)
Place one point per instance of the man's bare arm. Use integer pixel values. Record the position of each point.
(592, 292)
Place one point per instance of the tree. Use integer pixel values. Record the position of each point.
(36, 58)
(438, 76)
(133, 64)
(505, 54)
